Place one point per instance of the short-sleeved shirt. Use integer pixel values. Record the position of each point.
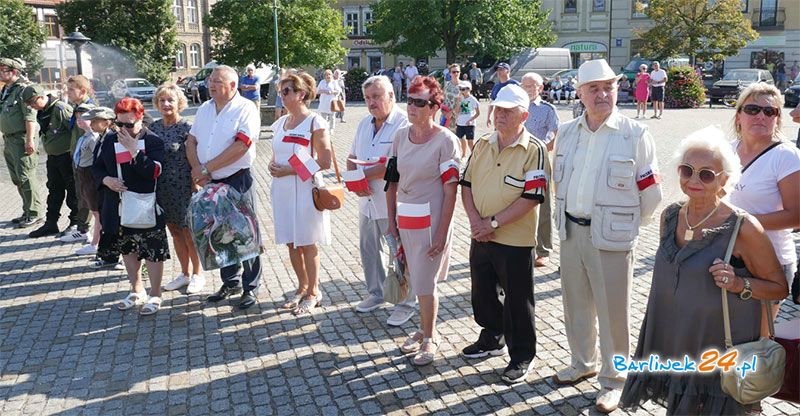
(542, 119)
(467, 108)
(497, 87)
(498, 178)
(251, 94)
(216, 132)
(369, 143)
(411, 72)
(659, 78)
(757, 192)
(13, 111)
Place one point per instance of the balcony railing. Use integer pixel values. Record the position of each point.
(772, 18)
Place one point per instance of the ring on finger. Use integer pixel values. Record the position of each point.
(725, 280)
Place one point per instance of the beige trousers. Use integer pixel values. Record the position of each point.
(596, 286)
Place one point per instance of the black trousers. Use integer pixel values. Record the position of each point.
(60, 184)
(246, 274)
(513, 319)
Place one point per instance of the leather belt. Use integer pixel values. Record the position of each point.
(585, 222)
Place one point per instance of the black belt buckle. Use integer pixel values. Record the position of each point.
(585, 222)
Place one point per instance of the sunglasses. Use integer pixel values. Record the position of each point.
(753, 110)
(287, 90)
(705, 175)
(419, 102)
(128, 125)
(455, 72)
(464, 89)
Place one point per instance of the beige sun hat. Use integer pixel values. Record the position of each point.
(595, 70)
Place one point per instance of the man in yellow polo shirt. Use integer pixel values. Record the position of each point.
(504, 181)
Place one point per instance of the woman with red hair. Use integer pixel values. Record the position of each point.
(135, 153)
(423, 179)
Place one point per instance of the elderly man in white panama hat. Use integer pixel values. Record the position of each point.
(606, 187)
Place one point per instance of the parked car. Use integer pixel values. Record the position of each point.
(101, 93)
(185, 86)
(138, 88)
(792, 94)
(736, 78)
(544, 61)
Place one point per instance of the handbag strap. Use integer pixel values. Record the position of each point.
(119, 173)
(761, 154)
(333, 151)
(725, 313)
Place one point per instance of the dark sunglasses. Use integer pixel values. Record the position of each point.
(455, 72)
(705, 175)
(419, 102)
(465, 89)
(286, 90)
(128, 125)
(753, 110)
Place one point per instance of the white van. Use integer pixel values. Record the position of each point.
(543, 61)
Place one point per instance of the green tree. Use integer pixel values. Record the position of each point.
(20, 35)
(711, 30)
(309, 32)
(143, 30)
(480, 27)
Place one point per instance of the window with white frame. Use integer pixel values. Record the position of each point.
(367, 21)
(194, 55)
(177, 10)
(191, 11)
(180, 57)
(351, 23)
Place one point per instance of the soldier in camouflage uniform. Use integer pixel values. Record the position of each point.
(55, 132)
(18, 126)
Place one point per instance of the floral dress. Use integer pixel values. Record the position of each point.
(175, 183)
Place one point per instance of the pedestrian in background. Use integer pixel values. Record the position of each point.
(337, 77)
(409, 73)
(475, 76)
(420, 206)
(658, 82)
(503, 71)
(642, 90)
(79, 91)
(175, 187)
(250, 85)
(466, 112)
(397, 82)
(298, 223)
(82, 164)
(328, 90)
(451, 94)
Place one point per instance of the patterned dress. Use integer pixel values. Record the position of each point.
(175, 184)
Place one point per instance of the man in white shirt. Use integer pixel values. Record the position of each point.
(410, 73)
(658, 81)
(221, 148)
(606, 186)
(373, 140)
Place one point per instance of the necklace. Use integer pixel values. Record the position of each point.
(689, 233)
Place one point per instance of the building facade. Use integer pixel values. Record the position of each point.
(59, 58)
(194, 37)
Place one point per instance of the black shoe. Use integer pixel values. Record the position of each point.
(480, 350)
(48, 228)
(30, 222)
(517, 371)
(223, 293)
(247, 300)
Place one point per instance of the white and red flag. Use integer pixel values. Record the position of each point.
(448, 170)
(355, 181)
(535, 179)
(303, 139)
(303, 164)
(413, 216)
(371, 161)
(123, 155)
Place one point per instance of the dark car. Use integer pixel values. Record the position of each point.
(792, 94)
(185, 86)
(735, 79)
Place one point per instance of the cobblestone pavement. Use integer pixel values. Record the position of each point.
(64, 349)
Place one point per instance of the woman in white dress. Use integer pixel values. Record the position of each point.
(328, 90)
(298, 224)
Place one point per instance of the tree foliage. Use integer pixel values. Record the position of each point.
(711, 30)
(309, 32)
(145, 33)
(461, 27)
(20, 35)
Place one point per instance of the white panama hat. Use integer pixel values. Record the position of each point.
(595, 70)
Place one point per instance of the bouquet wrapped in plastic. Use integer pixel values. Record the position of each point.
(224, 226)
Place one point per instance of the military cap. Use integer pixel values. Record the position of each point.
(84, 108)
(13, 63)
(32, 91)
(103, 113)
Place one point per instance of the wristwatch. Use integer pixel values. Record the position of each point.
(204, 170)
(746, 292)
(494, 223)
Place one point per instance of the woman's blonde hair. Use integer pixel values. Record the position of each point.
(755, 91)
(171, 88)
(712, 139)
(301, 81)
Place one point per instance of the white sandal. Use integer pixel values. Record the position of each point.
(133, 299)
(151, 307)
(413, 343)
(426, 357)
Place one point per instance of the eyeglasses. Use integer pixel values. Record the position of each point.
(455, 72)
(286, 90)
(705, 175)
(753, 110)
(128, 125)
(419, 102)
(464, 89)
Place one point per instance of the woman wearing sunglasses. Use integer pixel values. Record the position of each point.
(684, 314)
(451, 98)
(770, 184)
(422, 179)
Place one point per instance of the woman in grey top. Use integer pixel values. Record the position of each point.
(684, 311)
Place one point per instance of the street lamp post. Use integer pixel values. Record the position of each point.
(77, 40)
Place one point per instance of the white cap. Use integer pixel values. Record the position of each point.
(595, 70)
(511, 96)
(464, 84)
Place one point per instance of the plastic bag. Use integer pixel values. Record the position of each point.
(396, 286)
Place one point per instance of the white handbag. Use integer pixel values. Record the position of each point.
(137, 210)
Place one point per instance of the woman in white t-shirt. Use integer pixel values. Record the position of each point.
(770, 184)
(328, 90)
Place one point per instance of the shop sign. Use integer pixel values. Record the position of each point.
(586, 47)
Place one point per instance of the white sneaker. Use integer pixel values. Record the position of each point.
(86, 250)
(196, 284)
(74, 237)
(177, 283)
